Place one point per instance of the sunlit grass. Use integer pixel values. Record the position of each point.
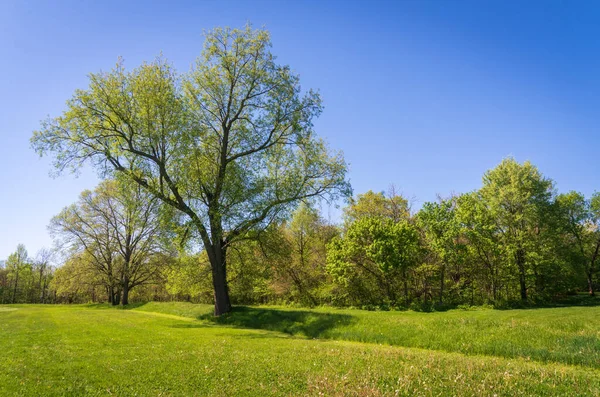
(162, 349)
(569, 335)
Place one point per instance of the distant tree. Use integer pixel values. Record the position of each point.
(370, 255)
(295, 252)
(370, 204)
(442, 232)
(188, 278)
(19, 269)
(4, 283)
(308, 235)
(517, 197)
(230, 145)
(581, 219)
(44, 272)
(77, 282)
(483, 246)
(118, 227)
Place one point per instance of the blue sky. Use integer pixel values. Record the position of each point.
(426, 95)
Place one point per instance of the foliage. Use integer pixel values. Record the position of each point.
(230, 145)
(113, 234)
(371, 256)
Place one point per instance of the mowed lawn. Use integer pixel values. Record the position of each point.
(180, 349)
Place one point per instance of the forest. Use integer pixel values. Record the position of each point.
(513, 242)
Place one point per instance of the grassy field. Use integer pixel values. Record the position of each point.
(180, 349)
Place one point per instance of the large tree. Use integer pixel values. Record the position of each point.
(230, 145)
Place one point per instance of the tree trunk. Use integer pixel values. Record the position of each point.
(405, 276)
(520, 259)
(390, 292)
(15, 289)
(590, 272)
(125, 300)
(443, 274)
(116, 297)
(217, 257)
(41, 286)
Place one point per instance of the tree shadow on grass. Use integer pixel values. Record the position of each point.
(293, 322)
(191, 325)
(578, 300)
(130, 306)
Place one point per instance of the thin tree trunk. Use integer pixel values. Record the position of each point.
(590, 283)
(404, 275)
(15, 289)
(590, 272)
(117, 298)
(390, 292)
(41, 286)
(520, 259)
(442, 282)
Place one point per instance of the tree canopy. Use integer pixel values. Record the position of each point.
(230, 144)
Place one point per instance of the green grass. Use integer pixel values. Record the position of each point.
(568, 335)
(179, 349)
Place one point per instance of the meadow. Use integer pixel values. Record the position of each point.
(171, 349)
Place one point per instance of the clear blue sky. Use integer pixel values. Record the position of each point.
(423, 94)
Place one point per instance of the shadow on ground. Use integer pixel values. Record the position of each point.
(578, 300)
(130, 306)
(293, 322)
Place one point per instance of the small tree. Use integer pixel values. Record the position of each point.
(442, 233)
(373, 250)
(581, 220)
(19, 269)
(43, 270)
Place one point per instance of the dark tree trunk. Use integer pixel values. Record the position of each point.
(590, 283)
(116, 297)
(125, 300)
(217, 256)
(390, 292)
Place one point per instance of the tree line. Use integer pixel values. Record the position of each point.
(515, 240)
(25, 279)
